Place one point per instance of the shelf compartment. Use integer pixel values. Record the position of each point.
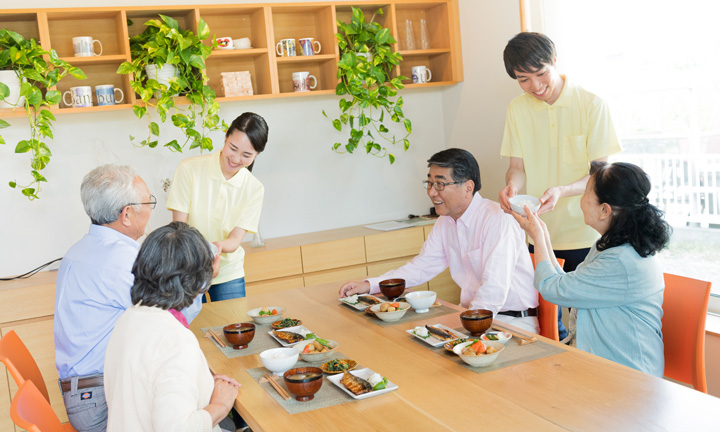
(252, 52)
(97, 74)
(325, 72)
(258, 65)
(237, 23)
(307, 59)
(105, 26)
(436, 16)
(186, 18)
(82, 62)
(296, 22)
(440, 65)
(24, 23)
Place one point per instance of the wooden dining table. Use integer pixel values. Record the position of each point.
(570, 390)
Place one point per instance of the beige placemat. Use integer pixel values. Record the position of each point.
(328, 395)
(261, 342)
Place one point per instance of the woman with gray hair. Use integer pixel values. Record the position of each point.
(156, 376)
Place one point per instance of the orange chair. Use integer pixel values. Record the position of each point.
(20, 362)
(30, 410)
(548, 312)
(683, 327)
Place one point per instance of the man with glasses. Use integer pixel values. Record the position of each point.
(93, 288)
(482, 246)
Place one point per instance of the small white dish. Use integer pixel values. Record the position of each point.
(280, 365)
(266, 319)
(421, 300)
(364, 374)
(359, 305)
(481, 360)
(518, 202)
(435, 342)
(301, 330)
(502, 336)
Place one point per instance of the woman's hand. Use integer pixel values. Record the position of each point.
(532, 225)
(549, 199)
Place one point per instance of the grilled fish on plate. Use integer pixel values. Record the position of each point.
(355, 384)
(440, 333)
(288, 337)
(368, 300)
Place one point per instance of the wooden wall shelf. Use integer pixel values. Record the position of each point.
(265, 25)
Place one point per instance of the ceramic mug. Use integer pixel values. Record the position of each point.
(286, 48)
(84, 46)
(301, 81)
(80, 97)
(421, 74)
(106, 94)
(224, 43)
(307, 46)
(242, 43)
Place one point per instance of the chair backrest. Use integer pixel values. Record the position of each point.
(30, 410)
(548, 312)
(683, 326)
(20, 362)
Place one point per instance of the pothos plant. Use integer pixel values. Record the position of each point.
(39, 72)
(163, 42)
(364, 71)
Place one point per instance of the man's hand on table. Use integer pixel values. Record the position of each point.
(350, 288)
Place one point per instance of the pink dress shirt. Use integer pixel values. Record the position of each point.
(487, 255)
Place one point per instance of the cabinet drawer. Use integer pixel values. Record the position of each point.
(394, 244)
(28, 302)
(445, 287)
(272, 285)
(333, 254)
(379, 268)
(339, 276)
(272, 264)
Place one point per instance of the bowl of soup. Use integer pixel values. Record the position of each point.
(392, 288)
(303, 382)
(476, 321)
(239, 335)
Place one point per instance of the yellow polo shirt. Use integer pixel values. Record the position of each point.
(215, 206)
(557, 143)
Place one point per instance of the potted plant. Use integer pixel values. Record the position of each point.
(365, 74)
(37, 72)
(166, 62)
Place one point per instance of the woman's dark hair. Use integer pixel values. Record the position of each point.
(527, 52)
(462, 162)
(634, 220)
(254, 127)
(173, 266)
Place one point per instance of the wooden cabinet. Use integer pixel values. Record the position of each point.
(265, 24)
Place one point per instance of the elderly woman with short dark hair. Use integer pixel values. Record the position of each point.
(156, 376)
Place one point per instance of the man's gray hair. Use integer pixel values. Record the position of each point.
(106, 190)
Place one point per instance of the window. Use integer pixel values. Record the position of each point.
(656, 63)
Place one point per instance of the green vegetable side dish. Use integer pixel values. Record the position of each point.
(337, 366)
(492, 337)
(288, 322)
(322, 341)
(381, 385)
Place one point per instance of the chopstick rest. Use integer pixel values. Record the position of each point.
(523, 339)
(276, 386)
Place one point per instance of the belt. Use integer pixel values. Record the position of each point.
(520, 314)
(96, 381)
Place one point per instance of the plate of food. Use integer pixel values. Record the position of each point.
(363, 383)
(290, 336)
(449, 346)
(338, 366)
(360, 301)
(498, 336)
(285, 323)
(436, 335)
(266, 314)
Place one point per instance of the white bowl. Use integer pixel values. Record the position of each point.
(421, 300)
(481, 360)
(266, 319)
(280, 365)
(390, 316)
(502, 337)
(518, 202)
(315, 357)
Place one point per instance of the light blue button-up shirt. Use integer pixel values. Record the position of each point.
(618, 295)
(93, 290)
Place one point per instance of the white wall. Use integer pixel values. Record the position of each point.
(308, 187)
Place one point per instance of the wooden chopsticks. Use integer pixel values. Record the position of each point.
(276, 386)
(523, 339)
(216, 337)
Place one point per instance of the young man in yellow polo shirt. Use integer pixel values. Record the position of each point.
(552, 133)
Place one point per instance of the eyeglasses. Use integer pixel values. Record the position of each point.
(439, 186)
(152, 203)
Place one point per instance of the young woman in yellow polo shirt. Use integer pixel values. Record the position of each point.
(218, 195)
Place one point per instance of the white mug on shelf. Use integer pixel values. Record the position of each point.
(242, 43)
(84, 46)
(81, 97)
(106, 94)
(301, 81)
(421, 74)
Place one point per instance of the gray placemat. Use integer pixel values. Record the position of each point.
(412, 316)
(261, 342)
(328, 395)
